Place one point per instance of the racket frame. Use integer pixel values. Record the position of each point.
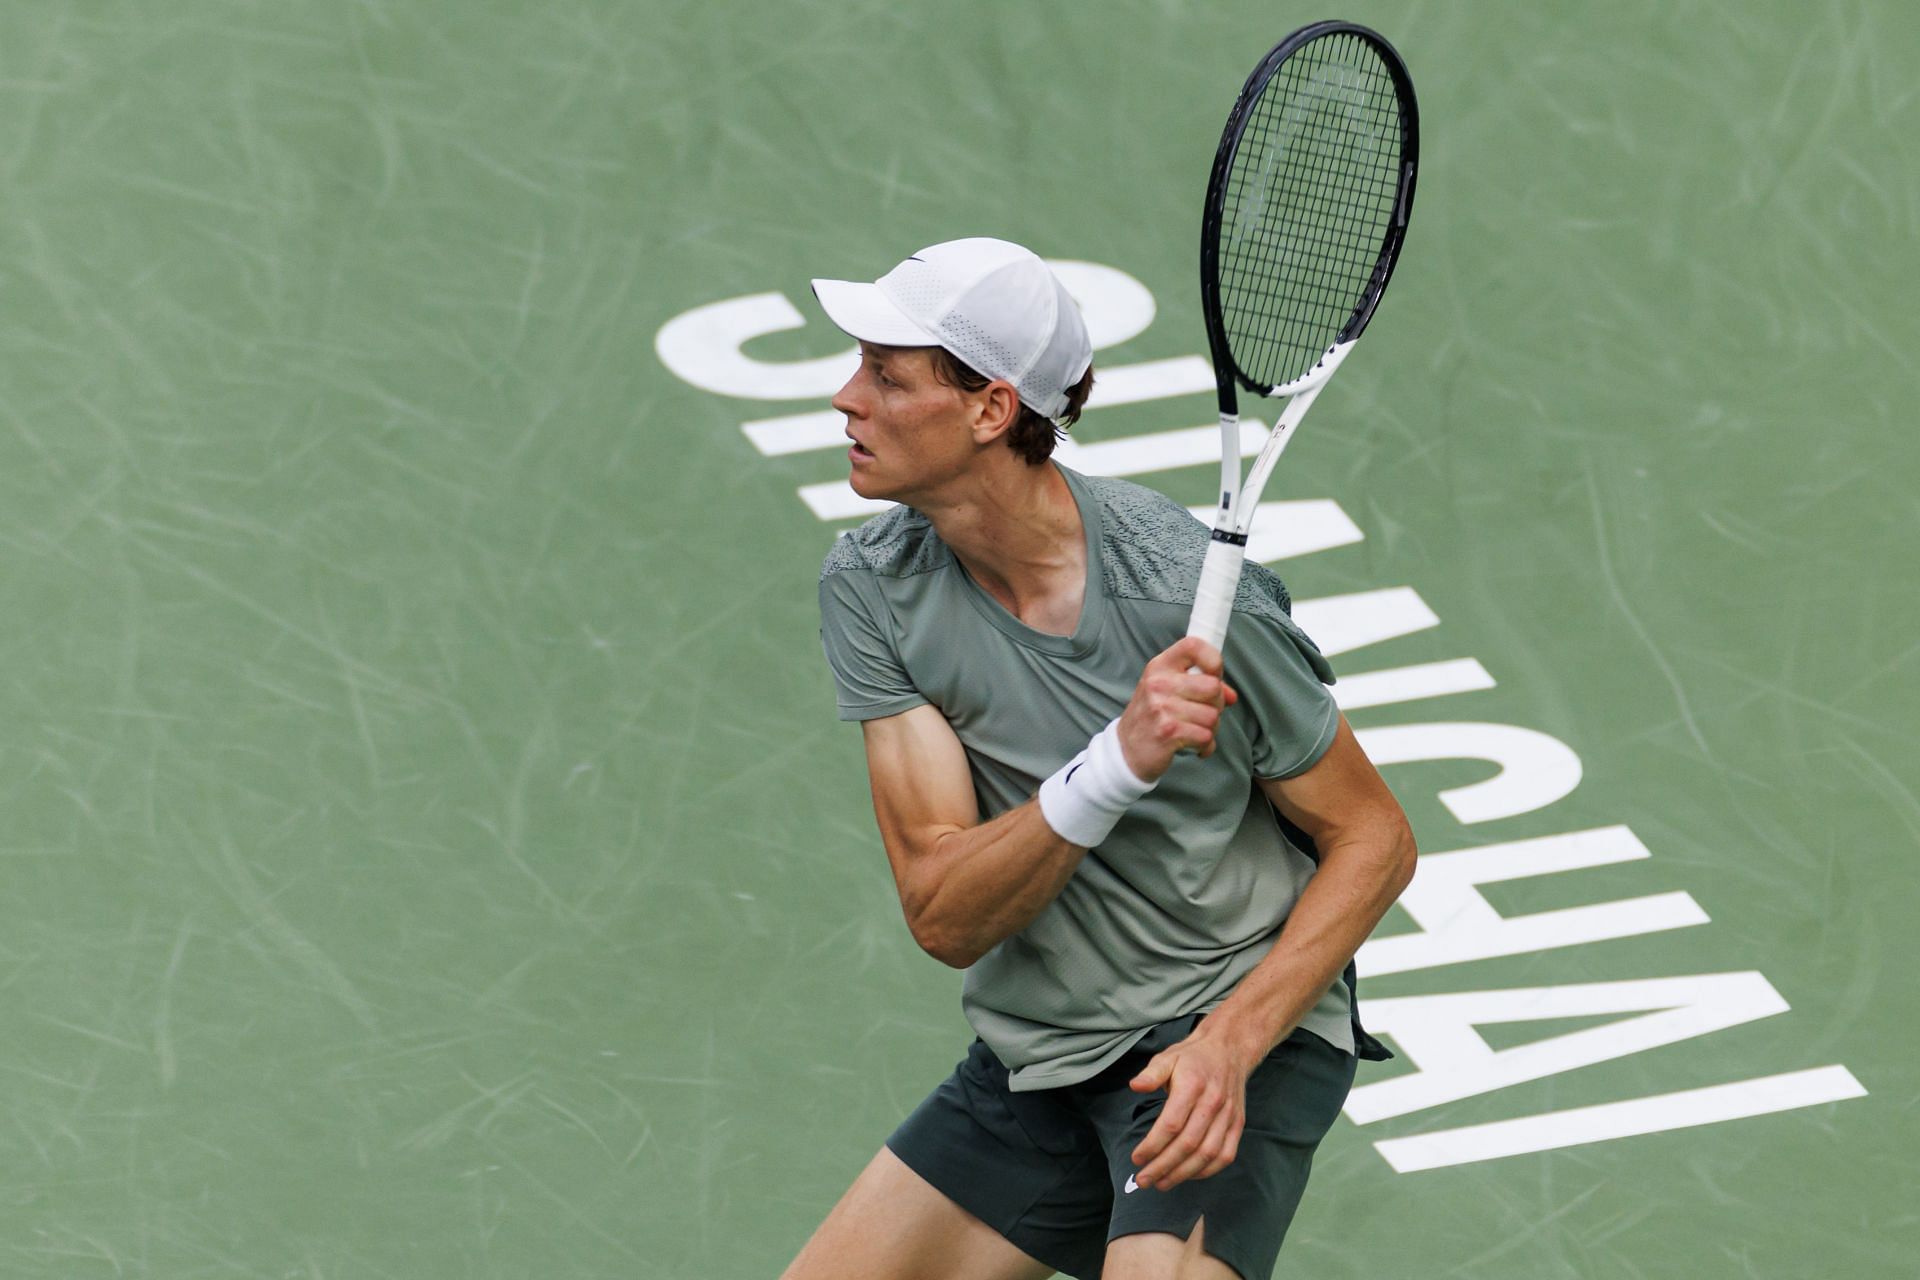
(1220, 573)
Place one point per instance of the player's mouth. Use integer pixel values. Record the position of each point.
(858, 453)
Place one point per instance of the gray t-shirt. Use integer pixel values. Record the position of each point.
(1189, 891)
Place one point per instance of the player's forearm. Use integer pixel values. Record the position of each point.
(1353, 887)
(982, 884)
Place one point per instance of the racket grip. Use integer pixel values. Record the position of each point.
(1213, 600)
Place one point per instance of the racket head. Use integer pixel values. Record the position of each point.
(1307, 204)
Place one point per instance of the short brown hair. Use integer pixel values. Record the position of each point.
(1032, 435)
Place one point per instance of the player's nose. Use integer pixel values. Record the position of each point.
(846, 401)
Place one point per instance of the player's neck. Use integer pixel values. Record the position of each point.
(1017, 532)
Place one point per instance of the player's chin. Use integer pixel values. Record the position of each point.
(862, 480)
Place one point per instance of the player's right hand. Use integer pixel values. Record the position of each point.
(1175, 707)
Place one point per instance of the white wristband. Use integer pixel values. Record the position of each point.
(1084, 800)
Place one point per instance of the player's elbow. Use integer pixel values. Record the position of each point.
(941, 937)
(1405, 857)
(957, 957)
(927, 900)
(1382, 853)
(941, 940)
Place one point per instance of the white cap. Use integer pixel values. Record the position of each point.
(991, 303)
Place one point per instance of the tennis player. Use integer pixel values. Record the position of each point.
(1154, 870)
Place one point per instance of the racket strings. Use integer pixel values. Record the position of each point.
(1300, 296)
(1308, 283)
(1309, 199)
(1333, 154)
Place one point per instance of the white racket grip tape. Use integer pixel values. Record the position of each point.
(1213, 599)
(1084, 800)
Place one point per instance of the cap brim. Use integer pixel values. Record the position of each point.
(866, 313)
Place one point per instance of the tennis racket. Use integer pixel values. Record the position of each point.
(1306, 210)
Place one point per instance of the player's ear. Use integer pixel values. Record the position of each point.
(995, 412)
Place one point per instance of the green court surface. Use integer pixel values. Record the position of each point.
(429, 848)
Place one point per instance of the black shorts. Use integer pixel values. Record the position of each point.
(1049, 1169)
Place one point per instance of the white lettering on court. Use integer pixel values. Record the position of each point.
(1341, 624)
(1661, 1113)
(703, 346)
(1439, 1033)
(1535, 768)
(1457, 924)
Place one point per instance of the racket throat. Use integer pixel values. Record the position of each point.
(1224, 520)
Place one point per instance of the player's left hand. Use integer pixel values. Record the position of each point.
(1198, 1132)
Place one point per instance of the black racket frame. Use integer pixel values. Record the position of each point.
(1226, 368)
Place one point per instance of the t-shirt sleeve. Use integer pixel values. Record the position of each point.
(1282, 681)
(856, 630)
